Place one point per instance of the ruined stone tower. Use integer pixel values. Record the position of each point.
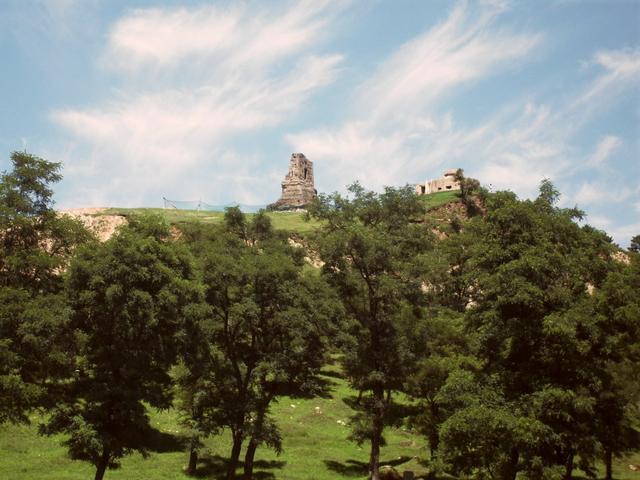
(297, 186)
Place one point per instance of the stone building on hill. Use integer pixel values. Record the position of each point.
(446, 183)
(297, 187)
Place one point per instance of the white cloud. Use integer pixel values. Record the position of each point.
(241, 36)
(153, 135)
(591, 193)
(621, 70)
(606, 147)
(513, 148)
(458, 51)
(393, 128)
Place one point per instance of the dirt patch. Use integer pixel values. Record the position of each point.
(103, 226)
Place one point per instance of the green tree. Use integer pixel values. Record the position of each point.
(269, 324)
(471, 193)
(128, 298)
(616, 311)
(440, 347)
(368, 243)
(634, 244)
(532, 263)
(35, 246)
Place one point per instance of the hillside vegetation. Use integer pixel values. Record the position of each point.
(290, 221)
(467, 335)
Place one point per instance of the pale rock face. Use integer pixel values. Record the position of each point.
(446, 183)
(297, 187)
(103, 226)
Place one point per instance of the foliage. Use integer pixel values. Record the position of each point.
(616, 354)
(290, 221)
(527, 265)
(35, 245)
(367, 244)
(128, 298)
(267, 330)
(470, 193)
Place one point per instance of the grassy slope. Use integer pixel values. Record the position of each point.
(440, 198)
(291, 221)
(315, 448)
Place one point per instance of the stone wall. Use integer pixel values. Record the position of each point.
(297, 187)
(446, 183)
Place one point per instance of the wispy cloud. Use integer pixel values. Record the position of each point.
(606, 147)
(621, 68)
(225, 63)
(463, 48)
(161, 38)
(394, 128)
(591, 193)
(514, 147)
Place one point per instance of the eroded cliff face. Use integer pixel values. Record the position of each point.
(103, 226)
(298, 189)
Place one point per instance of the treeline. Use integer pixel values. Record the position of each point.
(513, 328)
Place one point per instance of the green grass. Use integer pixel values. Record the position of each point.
(437, 199)
(290, 221)
(315, 448)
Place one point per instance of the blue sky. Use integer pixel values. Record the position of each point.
(207, 100)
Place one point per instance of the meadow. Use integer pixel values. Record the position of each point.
(315, 443)
(290, 221)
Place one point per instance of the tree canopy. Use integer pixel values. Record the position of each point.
(36, 244)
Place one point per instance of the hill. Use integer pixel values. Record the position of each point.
(105, 220)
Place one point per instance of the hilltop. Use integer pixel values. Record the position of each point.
(104, 221)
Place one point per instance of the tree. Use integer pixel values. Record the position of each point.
(128, 298)
(470, 192)
(441, 348)
(634, 245)
(35, 245)
(268, 330)
(532, 263)
(616, 310)
(368, 243)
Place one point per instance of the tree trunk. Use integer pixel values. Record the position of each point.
(193, 460)
(255, 440)
(102, 465)
(235, 455)
(568, 467)
(248, 459)
(510, 470)
(376, 439)
(608, 462)
(434, 436)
